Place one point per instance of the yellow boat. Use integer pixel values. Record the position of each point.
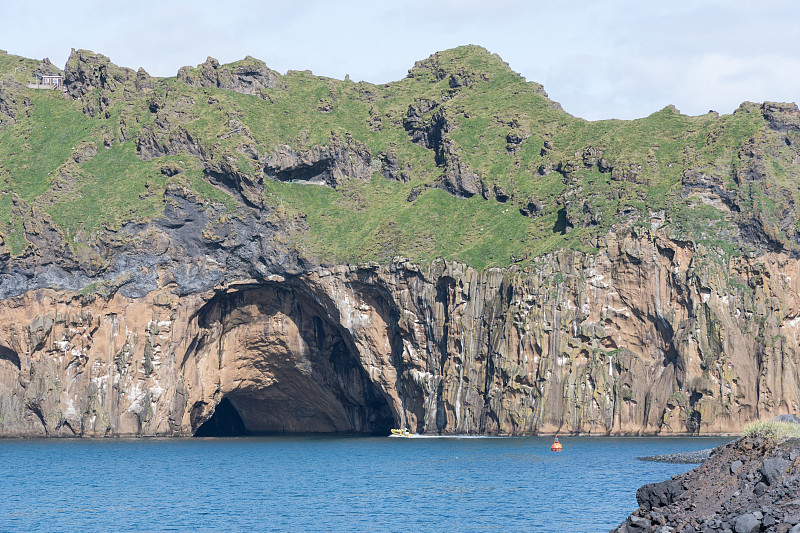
(403, 432)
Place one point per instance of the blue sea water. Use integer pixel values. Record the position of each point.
(328, 483)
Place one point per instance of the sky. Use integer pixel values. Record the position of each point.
(598, 58)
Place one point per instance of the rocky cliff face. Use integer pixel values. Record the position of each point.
(650, 336)
(220, 302)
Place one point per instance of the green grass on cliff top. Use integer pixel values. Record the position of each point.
(472, 230)
(484, 103)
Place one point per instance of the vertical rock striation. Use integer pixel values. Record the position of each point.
(649, 336)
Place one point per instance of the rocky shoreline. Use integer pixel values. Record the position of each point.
(747, 486)
(698, 456)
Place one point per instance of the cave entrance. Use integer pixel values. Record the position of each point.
(334, 404)
(225, 422)
(287, 368)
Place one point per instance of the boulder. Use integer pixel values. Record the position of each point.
(657, 494)
(248, 76)
(773, 469)
(746, 523)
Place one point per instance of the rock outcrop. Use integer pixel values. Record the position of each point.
(747, 486)
(247, 76)
(93, 79)
(428, 126)
(7, 112)
(321, 164)
(649, 337)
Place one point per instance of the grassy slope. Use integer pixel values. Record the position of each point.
(373, 220)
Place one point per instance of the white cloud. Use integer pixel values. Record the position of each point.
(639, 85)
(602, 58)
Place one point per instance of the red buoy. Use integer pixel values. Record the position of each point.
(556, 447)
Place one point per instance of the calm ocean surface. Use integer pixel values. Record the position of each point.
(328, 483)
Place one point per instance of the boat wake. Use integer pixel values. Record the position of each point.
(418, 436)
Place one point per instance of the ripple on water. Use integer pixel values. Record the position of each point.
(332, 484)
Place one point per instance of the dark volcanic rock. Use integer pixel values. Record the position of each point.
(774, 469)
(458, 179)
(322, 164)
(745, 486)
(532, 207)
(196, 245)
(46, 68)
(223, 170)
(390, 168)
(7, 103)
(86, 71)
(637, 524)
(683, 457)
(143, 80)
(246, 77)
(151, 143)
(431, 131)
(657, 494)
(783, 117)
(514, 140)
(746, 523)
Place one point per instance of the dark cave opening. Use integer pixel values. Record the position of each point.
(286, 417)
(562, 224)
(316, 171)
(299, 373)
(225, 422)
(10, 355)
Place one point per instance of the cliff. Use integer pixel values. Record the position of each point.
(234, 250)
(600, 344)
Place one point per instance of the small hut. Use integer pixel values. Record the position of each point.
(53, 81)
(47, 81)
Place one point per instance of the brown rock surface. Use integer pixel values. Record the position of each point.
(649, 336)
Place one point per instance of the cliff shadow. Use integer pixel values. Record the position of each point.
(225, 422)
